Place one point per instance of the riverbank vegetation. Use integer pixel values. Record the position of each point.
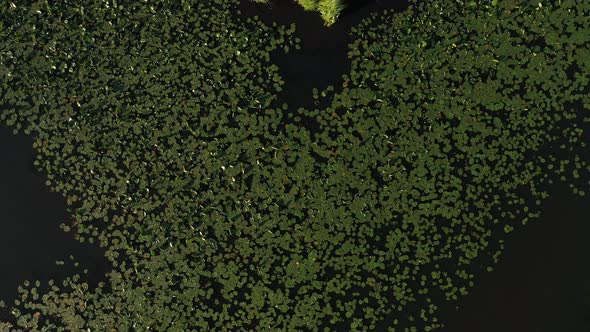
(223, 209)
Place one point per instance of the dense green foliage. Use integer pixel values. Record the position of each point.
(221, 211)
(329, 9)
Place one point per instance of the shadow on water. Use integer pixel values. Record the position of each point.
(31, 238)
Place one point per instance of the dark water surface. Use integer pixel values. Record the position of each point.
(542, 281)
(322, 59)
(31, 240)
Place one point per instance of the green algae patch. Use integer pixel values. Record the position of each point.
(222, 210)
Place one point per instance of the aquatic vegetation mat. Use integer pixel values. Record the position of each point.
(222, 209)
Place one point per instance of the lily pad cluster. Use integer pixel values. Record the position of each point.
(223, 209)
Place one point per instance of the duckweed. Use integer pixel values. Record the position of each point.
(221, 209)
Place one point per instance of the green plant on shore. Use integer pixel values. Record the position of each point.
(328, 9)
(309, 5)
